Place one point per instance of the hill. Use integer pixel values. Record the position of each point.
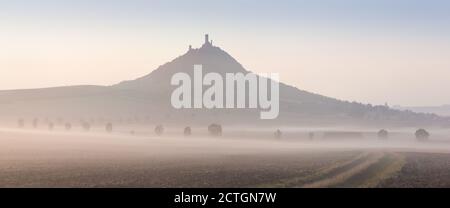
(148, 98)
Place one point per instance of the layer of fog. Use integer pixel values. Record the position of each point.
(141, 142)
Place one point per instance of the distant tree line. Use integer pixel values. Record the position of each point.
(214, 129)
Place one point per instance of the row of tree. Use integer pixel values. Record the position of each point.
(68, 126)
(213, 129)
(421, 134)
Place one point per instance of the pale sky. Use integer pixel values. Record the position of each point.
(372, 51)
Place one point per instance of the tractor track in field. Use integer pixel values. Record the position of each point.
(364, 170)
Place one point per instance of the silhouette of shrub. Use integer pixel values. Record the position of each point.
(68, 126)
(215, 130)
(187, 131)
(159, 130)
(311, 135)
(422, 134)
(278, 134)
(21, 123)
(383, 134)
(108, 127)
(35, 123)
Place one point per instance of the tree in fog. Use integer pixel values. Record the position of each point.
(21, 123)
(159, 130)
(68, 126)
(422, 134)
(383, 134)
(187, 131)
(35, 123)
(278, 134)
(311, 135)
(215, 130)
(109, 127)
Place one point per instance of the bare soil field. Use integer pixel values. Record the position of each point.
(426, 170)
(80, 159)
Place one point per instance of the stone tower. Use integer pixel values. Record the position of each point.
(207, 41)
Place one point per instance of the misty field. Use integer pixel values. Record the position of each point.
(97, 159)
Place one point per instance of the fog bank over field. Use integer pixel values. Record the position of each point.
(43, 158)
(132, 140)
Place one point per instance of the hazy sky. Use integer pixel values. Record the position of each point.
(374, 51)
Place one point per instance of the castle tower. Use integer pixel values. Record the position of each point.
(206, 39)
